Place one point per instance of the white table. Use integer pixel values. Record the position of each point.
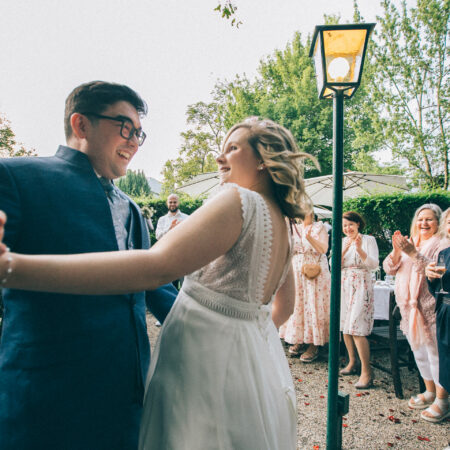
(381, 294)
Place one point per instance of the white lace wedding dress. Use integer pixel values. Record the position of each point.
(219, 378)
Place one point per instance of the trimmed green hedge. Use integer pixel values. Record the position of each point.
(383, 213)
(386, 213)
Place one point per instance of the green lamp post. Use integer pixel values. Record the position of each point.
(338, 53)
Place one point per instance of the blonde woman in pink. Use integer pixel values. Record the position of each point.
(407, 262)
(310, 320)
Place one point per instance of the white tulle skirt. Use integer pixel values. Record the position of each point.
(219, 379)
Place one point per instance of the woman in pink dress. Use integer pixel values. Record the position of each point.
(359, 258)
(407, 262)
(309, 323)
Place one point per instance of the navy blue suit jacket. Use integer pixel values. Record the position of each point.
(72, 368)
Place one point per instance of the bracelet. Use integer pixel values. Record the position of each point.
(8, 269)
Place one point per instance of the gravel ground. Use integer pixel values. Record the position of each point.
(376, 420)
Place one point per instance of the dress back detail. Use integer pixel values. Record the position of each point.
(241, 273)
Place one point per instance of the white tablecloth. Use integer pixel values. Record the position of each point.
(381, 301)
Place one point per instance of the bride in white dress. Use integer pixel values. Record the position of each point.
(219, 378)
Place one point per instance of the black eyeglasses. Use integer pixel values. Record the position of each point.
(127, 129)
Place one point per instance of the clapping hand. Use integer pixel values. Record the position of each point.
(308, 231)
(358, 242)
(403, 244)
(347, 244)
(173, 224)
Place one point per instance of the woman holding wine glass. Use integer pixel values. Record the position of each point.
(407, 262)
(438, 274)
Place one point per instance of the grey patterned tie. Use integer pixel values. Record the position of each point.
(120, 211)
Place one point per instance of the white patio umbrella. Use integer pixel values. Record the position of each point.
(319, 189)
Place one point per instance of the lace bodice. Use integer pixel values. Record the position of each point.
(241, 273)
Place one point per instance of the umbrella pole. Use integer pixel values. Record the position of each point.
(337, 402)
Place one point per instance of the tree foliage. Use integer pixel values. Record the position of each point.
(409, 87)
(227, 10)
(285, 91)
(201, 144)
(134, 183)
(9, 147)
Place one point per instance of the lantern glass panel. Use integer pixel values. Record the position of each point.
(318, 63)
(343, 53)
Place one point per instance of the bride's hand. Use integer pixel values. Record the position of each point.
(3, 247)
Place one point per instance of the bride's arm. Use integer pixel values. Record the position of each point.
(283, 304)
(207, 234)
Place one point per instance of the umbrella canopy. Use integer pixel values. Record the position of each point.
(204, 184)
(319, 189)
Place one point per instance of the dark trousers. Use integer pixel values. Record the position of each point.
(443, 340)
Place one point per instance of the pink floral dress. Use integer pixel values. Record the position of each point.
(357, 288)
(309, 323)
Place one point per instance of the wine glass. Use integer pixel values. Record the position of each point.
(440, 268)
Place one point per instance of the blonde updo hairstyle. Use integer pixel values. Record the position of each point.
(279, 152)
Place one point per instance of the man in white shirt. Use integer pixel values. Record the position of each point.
(171, 219)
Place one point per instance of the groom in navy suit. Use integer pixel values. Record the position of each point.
(72, 367)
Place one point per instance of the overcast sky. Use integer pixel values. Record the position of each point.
(170, 51)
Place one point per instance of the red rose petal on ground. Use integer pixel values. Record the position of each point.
(344, 418)
(316, 447)
(398, 438)
(300, 379)
(345, 425)
(394, 419)
(390, 444)
(306, 404)
(306, 395)
(413, 421)
(423, 438)
(358, 395)
(391, 410)
(367, 393)
(322, 396)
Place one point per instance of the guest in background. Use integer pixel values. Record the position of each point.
(167, 223)
(359, 258)
(437, 276)
(309, 323)
(407, 262)
(172, 218)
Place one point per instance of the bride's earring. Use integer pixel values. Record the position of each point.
(261, 166)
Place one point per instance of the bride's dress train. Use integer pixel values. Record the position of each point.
(219, 378)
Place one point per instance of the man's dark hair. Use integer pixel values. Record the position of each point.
(96, 96)
(353, 216)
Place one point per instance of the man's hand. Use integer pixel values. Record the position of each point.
(174, 223)
(431, 272)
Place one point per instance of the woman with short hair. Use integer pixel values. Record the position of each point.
(359, 258)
